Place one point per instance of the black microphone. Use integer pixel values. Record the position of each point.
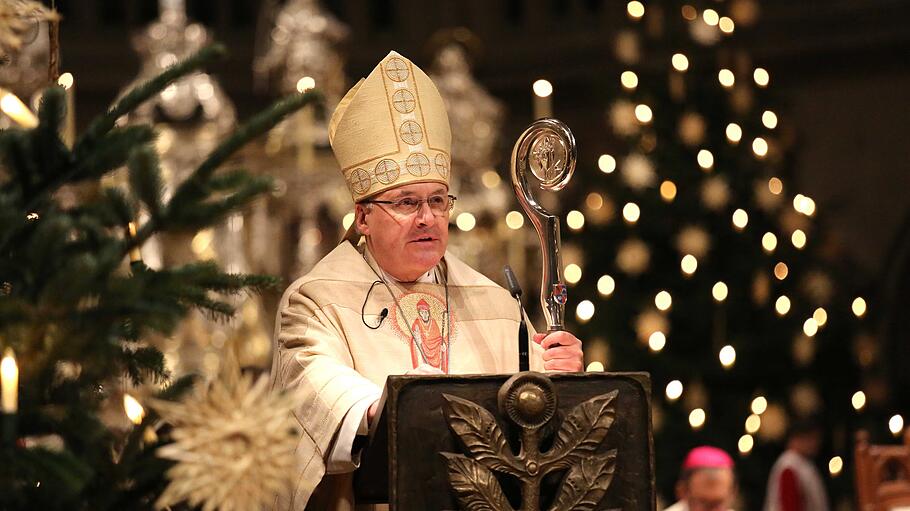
(515, 291)
(512, 281)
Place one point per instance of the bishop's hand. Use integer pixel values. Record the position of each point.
(562, 351)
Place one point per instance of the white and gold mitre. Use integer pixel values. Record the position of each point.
(391, 129)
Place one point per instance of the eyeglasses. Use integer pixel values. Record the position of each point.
(439, 204)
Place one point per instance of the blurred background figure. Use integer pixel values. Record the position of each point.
(706, 481)
(795, 484)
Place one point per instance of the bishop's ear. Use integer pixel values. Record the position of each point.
(360, 223)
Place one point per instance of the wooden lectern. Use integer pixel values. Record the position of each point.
(526, 442)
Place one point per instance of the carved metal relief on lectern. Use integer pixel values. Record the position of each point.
(530, 403)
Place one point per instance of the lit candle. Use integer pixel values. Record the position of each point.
(69, 127)
(16, 109)
(134, 411)
(543, 102)
(9, 381)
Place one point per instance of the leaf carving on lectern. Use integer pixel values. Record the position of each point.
(581, 432)
(475, 486)
(586, 483)
(480, 434)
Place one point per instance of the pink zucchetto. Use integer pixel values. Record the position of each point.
(707, 457)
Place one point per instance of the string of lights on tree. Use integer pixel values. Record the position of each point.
(762, 218)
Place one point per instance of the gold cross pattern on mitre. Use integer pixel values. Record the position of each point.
(391, 129)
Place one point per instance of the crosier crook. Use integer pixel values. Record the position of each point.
(547, 146)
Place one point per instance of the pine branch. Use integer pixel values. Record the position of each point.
(145, 179)
(103, 124)
(251, 129)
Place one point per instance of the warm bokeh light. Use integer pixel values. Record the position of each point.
(753, 423)
(689, 13)
(835, 465)
(775, 185)
(306, 83)
(643, 113)
(465, 221)
(657, 341)
(635, 9)
(727, 356)
(606, 285)
(769, 242)
(760, 147)
(740, 219)
(584, 311)
(711, 17)
(858, 400)
(490, 179)
(769, 119)
(629, 79)
(759, 405)
(782, 305)
(515, 220)
(680, 62)
(719, 291)
(726, 25)
(594, 201)
(705, 159)
(781, 270)
(595, 367)
(606, 163)
(631, 212)
(688, 264)
(859, 306)
(821, 316)
(810, 327)
(745, 444)
(798, 238)
(663, 300)
(572, 273)
(734, 133)
(347, 220)
(697, 418)
(575, 220)
(761, 77)
(668, 191)
(726, 78)
(202, 240)
(896, 424)
(542, 88)
(674, 390)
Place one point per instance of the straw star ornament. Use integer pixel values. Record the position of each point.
(233, 443)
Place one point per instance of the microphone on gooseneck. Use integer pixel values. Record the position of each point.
(515, 291)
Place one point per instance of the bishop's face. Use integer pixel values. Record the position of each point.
(405, 246)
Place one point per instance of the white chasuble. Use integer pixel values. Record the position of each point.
(335, 347)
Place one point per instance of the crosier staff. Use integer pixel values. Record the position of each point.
(547, 148)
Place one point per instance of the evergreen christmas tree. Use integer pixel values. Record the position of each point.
(78, 305)
(701, 265)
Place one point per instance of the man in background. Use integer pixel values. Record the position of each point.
(795, 484)
(706, 482)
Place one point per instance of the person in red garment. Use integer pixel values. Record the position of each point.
(795, 483)
(707, 482)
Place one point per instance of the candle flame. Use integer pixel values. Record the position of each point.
(133, 409)
(9, 381)
(16, 109)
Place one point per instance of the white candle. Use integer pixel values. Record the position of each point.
(69, 127)
(9, 381)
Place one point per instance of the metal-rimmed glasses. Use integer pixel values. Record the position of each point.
(438, 204)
